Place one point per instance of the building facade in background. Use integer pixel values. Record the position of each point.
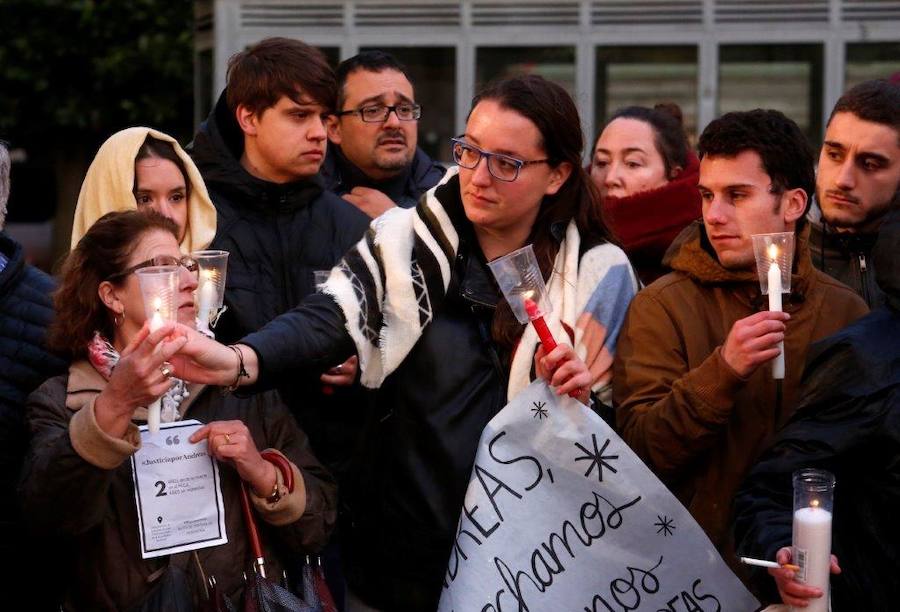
(709, 56)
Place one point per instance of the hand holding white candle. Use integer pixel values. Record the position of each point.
(813, 500)
(774, 254)
(159, 287)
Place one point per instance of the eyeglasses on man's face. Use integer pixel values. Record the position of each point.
(502, 167)
(187, 262)
(378, 113)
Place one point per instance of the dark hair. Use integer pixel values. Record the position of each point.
(877, 101)
(785, 152)
(370, 61)
(154, 148)
(551, 109)
(274, 67)
(669, 138)
(103, 251)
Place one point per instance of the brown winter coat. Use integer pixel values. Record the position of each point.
(680, 406)
(77, 484)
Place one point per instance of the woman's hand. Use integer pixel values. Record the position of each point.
(138, 379)
(564, 371)
(795, 593)
(342, 375)
(203, 360)
(231, 442)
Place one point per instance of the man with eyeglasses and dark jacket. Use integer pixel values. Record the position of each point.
(373, 161)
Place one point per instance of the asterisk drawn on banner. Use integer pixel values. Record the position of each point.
(540, 411)
(597, 458)
(665, 524)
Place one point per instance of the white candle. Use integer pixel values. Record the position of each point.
(156, 321)
(812, 552)
(153, 411)
(775, 306)
(206, 298)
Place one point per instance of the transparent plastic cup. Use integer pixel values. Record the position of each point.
(210, 293)
(519, 277)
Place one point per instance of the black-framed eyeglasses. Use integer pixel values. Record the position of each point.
(378, 113)
(187, 262)
(502, 167)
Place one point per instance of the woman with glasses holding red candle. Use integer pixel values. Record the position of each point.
(77, 479)
(437, 343)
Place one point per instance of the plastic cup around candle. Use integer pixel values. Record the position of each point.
(774, 257)
(519, 277)
(159, 291)
(811, 551)
(210, 293)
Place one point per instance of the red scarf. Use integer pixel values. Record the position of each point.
(646, 223)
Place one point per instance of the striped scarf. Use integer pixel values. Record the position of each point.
(392, 282)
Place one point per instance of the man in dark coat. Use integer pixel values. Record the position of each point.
(858, 173)
(26, 310)
(373, 161)
(849, 424)
(259, 152)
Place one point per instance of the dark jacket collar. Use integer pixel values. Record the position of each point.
(340, 175)
(15, 265)
(886, 257)
(217, 150)
(692, 254)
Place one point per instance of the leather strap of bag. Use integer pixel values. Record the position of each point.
(287, 475)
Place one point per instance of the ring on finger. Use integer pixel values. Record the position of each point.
(227, 439)
(166, 369)
(339, 368)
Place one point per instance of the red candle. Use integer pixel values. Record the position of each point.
(543, 332)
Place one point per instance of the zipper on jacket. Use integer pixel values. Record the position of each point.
(863, 274)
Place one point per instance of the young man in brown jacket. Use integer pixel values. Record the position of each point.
(693, 394)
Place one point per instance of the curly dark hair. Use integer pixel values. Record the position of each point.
(877, 101)
(102, 252)
(786, 154)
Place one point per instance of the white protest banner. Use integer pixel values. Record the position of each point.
(177, 492)
(561, 515)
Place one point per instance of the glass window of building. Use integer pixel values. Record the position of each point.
(433, 72)
(787, 78)
(867, 61)
(645, 76)
(555, 64)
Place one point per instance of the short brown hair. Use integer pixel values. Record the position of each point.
(274, 67)
(103, 251)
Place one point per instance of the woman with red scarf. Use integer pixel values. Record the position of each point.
(647, 177)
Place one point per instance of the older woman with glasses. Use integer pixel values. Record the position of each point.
(77, 480)
(436, 340)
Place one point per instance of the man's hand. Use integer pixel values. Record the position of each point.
(754, 340)
(370, 201)
(795, 593)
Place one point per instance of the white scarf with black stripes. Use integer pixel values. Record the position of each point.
(391, 283)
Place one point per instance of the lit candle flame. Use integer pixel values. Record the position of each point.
(814, 503)
(773, 252)
(157, 303)
(208, 274)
